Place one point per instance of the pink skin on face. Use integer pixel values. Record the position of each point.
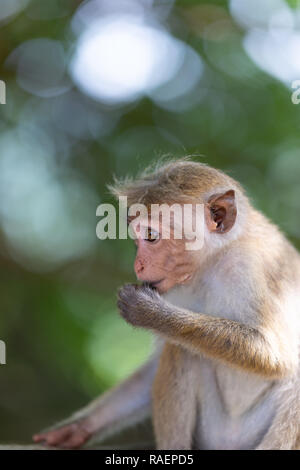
(163, 263)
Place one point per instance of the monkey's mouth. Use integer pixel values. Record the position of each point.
(152, 284)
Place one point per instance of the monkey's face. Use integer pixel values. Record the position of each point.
(163, 260)
(163, 263)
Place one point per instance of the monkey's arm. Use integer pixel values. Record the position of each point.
(117, 409)
(254, 349)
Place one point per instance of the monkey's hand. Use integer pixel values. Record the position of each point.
(139, 305)
(69, 436)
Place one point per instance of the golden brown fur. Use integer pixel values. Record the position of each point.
(228, 316)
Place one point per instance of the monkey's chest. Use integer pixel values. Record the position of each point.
(236, 408)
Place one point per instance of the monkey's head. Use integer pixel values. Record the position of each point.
(166, 262)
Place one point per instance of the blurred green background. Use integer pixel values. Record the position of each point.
(104, 87)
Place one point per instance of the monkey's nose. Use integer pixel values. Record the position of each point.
(138, 267)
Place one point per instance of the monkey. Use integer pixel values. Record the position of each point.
(225, 373)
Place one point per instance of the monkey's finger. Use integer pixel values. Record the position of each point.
(122, 295)
(126, 294)
(75, 441)
(128, 288)
(54, 437)
(149, 291)
(127, 313)
(39, 437)
(123, 307)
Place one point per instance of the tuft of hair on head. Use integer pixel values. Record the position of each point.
(171, 181)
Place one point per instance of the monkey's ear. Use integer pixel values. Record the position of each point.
(221, 212)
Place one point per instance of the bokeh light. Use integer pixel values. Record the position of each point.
(46, 212)
(41, 66)
(9, 8)
(120, 58)
(272, 40)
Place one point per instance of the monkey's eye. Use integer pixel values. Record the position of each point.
(151, 235)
